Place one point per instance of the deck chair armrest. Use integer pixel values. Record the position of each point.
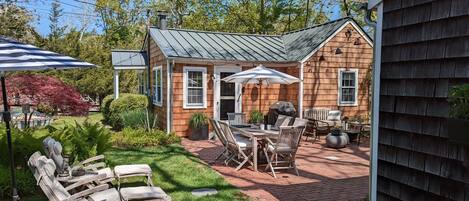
(95, 166)
(91, 160)
(87, 192)
(86, 181)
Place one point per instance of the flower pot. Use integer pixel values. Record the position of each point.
(457, 131)
(199, 133)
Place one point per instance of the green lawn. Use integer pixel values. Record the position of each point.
(175, 170)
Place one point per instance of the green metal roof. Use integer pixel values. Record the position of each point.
(290, 47)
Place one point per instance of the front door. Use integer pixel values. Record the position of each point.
(227, 95)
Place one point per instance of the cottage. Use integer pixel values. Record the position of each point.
(181, 70)
(422, 52)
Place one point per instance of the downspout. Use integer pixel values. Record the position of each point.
(373, 191)
(169, 95)
(300, 91)
(148, 87)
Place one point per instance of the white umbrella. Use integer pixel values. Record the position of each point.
(16, 56)
(261, 75)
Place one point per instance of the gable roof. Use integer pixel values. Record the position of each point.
(290, 47)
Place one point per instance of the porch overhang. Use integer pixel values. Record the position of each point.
(126, 60)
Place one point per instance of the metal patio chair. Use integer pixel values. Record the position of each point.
(285, 147)
(241, 147)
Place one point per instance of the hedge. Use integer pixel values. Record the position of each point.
(112, 109)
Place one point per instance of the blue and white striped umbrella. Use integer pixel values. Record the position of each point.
(17, 56)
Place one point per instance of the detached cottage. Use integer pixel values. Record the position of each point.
(181, 70)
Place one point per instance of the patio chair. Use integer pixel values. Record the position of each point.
(43, 170)
(225, 153)
(282, 120)
(241, 147)
(285, 146)
(300, 122)
(91, 166)
(236, 118)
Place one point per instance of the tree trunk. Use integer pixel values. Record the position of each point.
(307, 13)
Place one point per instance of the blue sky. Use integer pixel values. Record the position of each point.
(74, 13)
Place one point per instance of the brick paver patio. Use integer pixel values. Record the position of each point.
(325, 174)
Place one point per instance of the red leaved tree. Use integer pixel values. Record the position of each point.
(46, 91)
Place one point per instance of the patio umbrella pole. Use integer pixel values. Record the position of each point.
(7, 118)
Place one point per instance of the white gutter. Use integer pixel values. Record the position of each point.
(300, 91)
(375, 102)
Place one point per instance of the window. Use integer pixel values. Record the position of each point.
(141, 82)
(195, 87)
(158, 83)
(348, 81)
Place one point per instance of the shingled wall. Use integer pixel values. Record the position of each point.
(425, 52)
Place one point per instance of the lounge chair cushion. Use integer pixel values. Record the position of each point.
(125, 170)
(143, 192)
(109, 176)
(243, 142)
(107, 195)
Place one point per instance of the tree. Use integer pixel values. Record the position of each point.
(15, 22)
(41, 90)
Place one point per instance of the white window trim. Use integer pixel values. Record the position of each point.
(156, 70)
(186, 69)
(339, 93)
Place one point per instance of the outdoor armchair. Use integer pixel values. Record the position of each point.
(236, 118)
(285, 147)
(241, 147)
(221, 137)
(282, 120)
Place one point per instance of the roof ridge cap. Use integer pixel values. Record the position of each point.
(218, 32)
(318, 25)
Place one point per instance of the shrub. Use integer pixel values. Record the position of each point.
(112, 109)
(24, 145)
(138, 138)
(82, 141)
(26, 183)
(139, 119)
(459, 102)
(198, 120)
(105, 108)
(256, 117)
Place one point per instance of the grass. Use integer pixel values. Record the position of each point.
(175, 170)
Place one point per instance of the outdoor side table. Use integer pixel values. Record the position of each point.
(137, 170)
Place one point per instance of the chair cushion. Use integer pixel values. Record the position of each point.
(280, 148)
(122, 170)
(334, 115)
(107, 171)
(143, 192)
(242, 141)
(107, 195)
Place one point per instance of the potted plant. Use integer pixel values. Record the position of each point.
(458, 121)
(199, 127)
(256, 117)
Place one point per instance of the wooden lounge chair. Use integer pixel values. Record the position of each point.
(241, 147)
(285, 147)
(91, 166)
(43, 170)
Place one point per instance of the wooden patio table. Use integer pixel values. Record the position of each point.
(255, 134)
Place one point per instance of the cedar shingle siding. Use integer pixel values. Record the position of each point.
(425, 51)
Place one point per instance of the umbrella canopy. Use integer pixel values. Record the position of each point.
(263, 75)
(16, 56)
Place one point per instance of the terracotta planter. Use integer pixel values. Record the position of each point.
(199, 133)
(458, 131)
